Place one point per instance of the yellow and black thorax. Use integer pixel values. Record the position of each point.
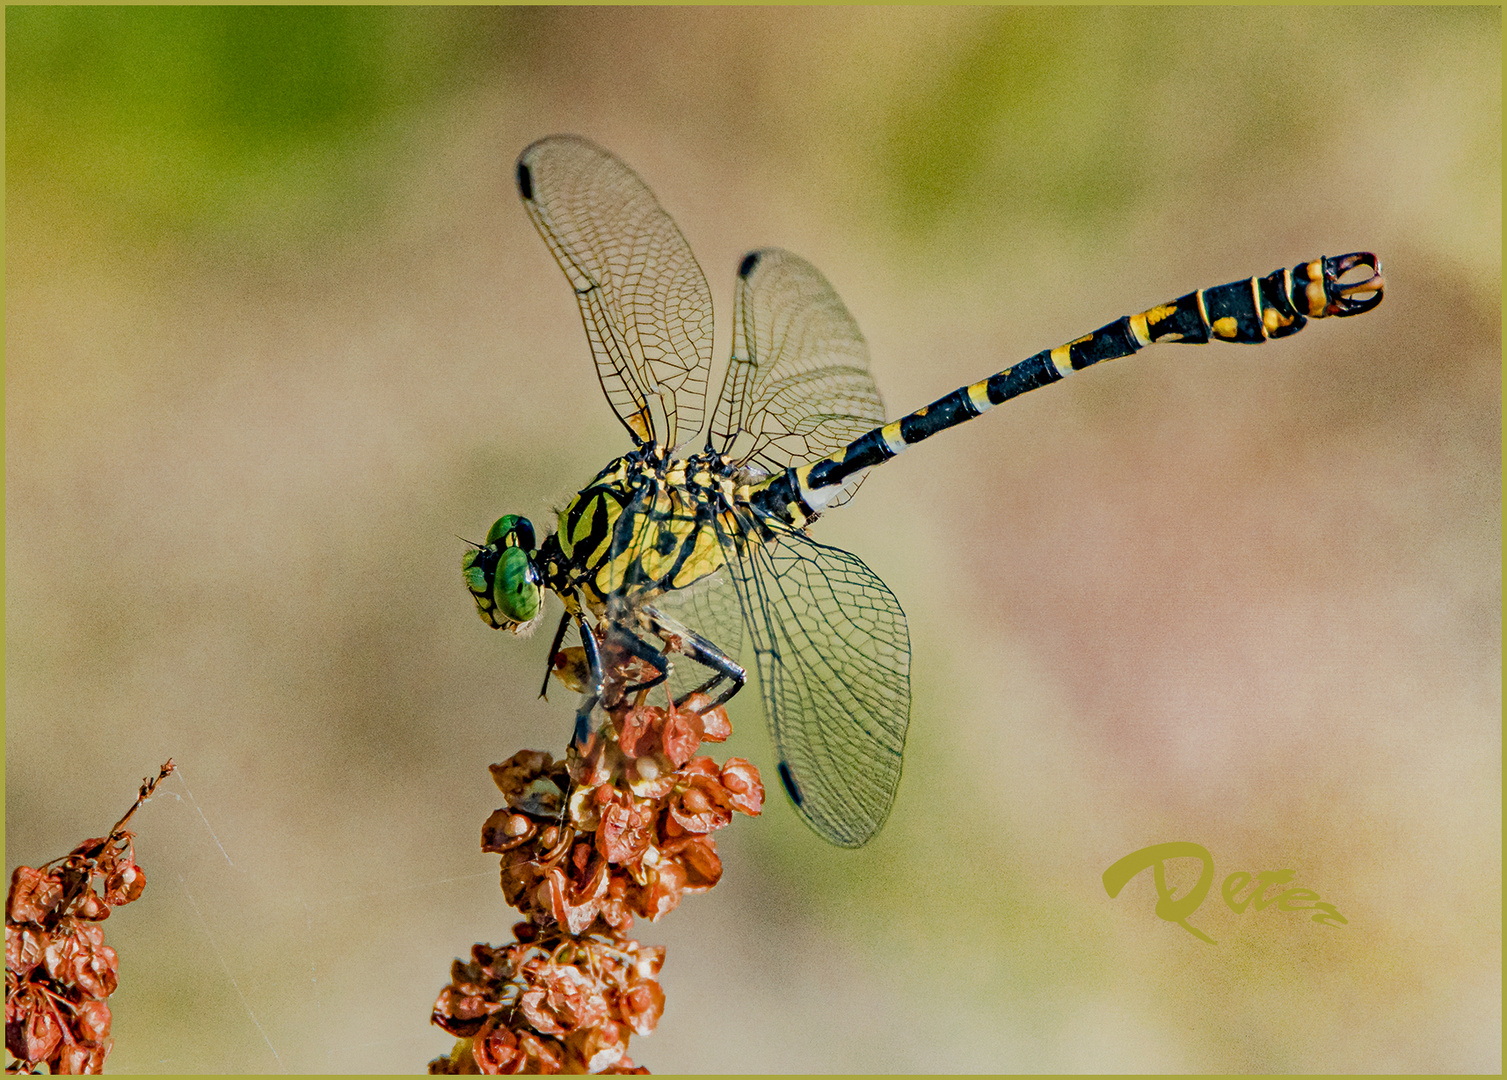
(647, 524)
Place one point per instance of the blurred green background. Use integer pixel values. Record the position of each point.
(277, 330)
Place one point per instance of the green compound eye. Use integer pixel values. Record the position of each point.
(516, 586)
(500, 528)
(510, 530)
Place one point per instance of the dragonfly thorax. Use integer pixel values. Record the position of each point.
(647, 524)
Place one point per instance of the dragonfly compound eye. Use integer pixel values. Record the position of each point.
(515, 588)
(479, 567)
(501, 576)
(511, 530)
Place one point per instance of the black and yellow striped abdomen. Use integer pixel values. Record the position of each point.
(1248, 312)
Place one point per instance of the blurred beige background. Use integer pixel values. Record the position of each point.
(278, 331)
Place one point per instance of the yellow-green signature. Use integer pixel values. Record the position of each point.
(1177, 911)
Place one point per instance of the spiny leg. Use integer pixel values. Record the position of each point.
(594, 694)
(554, 650)
(640, 649)
(704, 652)
(620, 640)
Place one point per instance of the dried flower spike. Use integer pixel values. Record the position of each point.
(620, 831)
(58, 969)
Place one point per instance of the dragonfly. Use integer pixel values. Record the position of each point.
(700, 532)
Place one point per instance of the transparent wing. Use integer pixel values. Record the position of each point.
(833, 655)
(798, 386)
(645, 302)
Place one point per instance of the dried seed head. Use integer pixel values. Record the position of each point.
(625, 831)
(58, 969)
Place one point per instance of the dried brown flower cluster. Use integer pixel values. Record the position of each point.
(623, 830)
(58, 969)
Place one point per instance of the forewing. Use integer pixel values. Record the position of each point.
(643, 298)
(833, 655)
(798, 386)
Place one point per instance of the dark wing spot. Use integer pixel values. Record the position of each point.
(750, 261)
(790, 785)
(525, 182)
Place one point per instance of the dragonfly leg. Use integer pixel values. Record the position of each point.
(705, 653)
(549, 665)
(588, 700)
(642, 650)
(622, 640)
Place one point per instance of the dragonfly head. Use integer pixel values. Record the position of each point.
(502, 577)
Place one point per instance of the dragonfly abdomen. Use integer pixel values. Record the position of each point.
(1249, 311)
